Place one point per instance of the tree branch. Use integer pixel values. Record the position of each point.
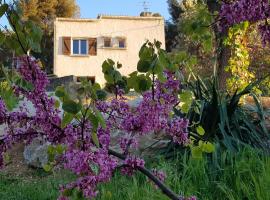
(168, 192)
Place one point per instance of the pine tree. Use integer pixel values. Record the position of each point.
(43, 13)
(175, 10)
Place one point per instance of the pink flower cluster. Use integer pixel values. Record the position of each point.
(130, 165)
(177, 128)
(253, 11)
(3, 111)
(151, 115)
(92, 168)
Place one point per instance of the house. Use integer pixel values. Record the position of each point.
(82, 45)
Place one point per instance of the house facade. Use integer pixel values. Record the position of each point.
(82, 45)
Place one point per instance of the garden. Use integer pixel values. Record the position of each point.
(191, 123)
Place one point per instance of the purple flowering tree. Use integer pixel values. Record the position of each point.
(80, 137)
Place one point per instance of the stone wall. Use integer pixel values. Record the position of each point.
(57, 81)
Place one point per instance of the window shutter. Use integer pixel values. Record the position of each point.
(66, 45)
(92, 49)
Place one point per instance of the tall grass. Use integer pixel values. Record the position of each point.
(233, 176)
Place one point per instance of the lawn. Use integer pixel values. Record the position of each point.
(243, 176)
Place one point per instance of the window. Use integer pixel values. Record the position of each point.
(79, 47)
(121, 43)
(107, 42)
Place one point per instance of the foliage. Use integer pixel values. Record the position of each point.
(114, 80)
(42, 14)
(30, 35)
(230, 124)
(194, 35)
(239, 61)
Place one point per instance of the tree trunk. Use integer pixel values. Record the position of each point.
(223, 52)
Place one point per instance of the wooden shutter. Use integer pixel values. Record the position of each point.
(92, 46)
(66, 45)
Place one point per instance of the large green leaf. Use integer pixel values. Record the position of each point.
(95, 138)
(71, 106)
(100, 118)
(68, 117)
(94, 120)
(60, 91)
(145, 52)
(143, 66)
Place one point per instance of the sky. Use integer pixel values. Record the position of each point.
(91, 8)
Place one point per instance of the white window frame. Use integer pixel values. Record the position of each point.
(80, 54)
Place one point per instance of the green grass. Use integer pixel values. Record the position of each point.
(242, 176)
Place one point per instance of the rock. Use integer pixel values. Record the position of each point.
(2, 129)
(36, 153)
(147, 144)
(135, 102)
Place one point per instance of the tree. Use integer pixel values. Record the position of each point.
(43, 13)
(192, 34)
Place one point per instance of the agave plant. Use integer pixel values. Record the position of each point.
(222, 116)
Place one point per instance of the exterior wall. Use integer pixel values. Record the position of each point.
(136, 30)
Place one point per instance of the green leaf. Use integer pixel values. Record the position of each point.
(101, 95)
(186, 98)
(3, 9)
(67, 119)
(119, 65)
(47, 167)
(208, 147)
(145, 52)
(100, 118)
(107, 66)
(95, 138)
(60, 149)
(109, 78)
(200, 130)
(96, 86)
(163, 59)
(7, 94)
(143, 83)
(143, 66)
(131, 80)
(71, 106)
(57, 104)
(60, 91)
(196, 152)
(94, 120)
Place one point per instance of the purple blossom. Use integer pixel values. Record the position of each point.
(246, 10)
(130, 165)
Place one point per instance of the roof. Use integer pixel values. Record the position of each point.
(100, 17)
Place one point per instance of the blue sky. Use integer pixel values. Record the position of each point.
(91, 8)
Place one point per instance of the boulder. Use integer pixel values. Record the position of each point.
(36, 153)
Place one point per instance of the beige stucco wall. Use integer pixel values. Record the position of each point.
(136, 30)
